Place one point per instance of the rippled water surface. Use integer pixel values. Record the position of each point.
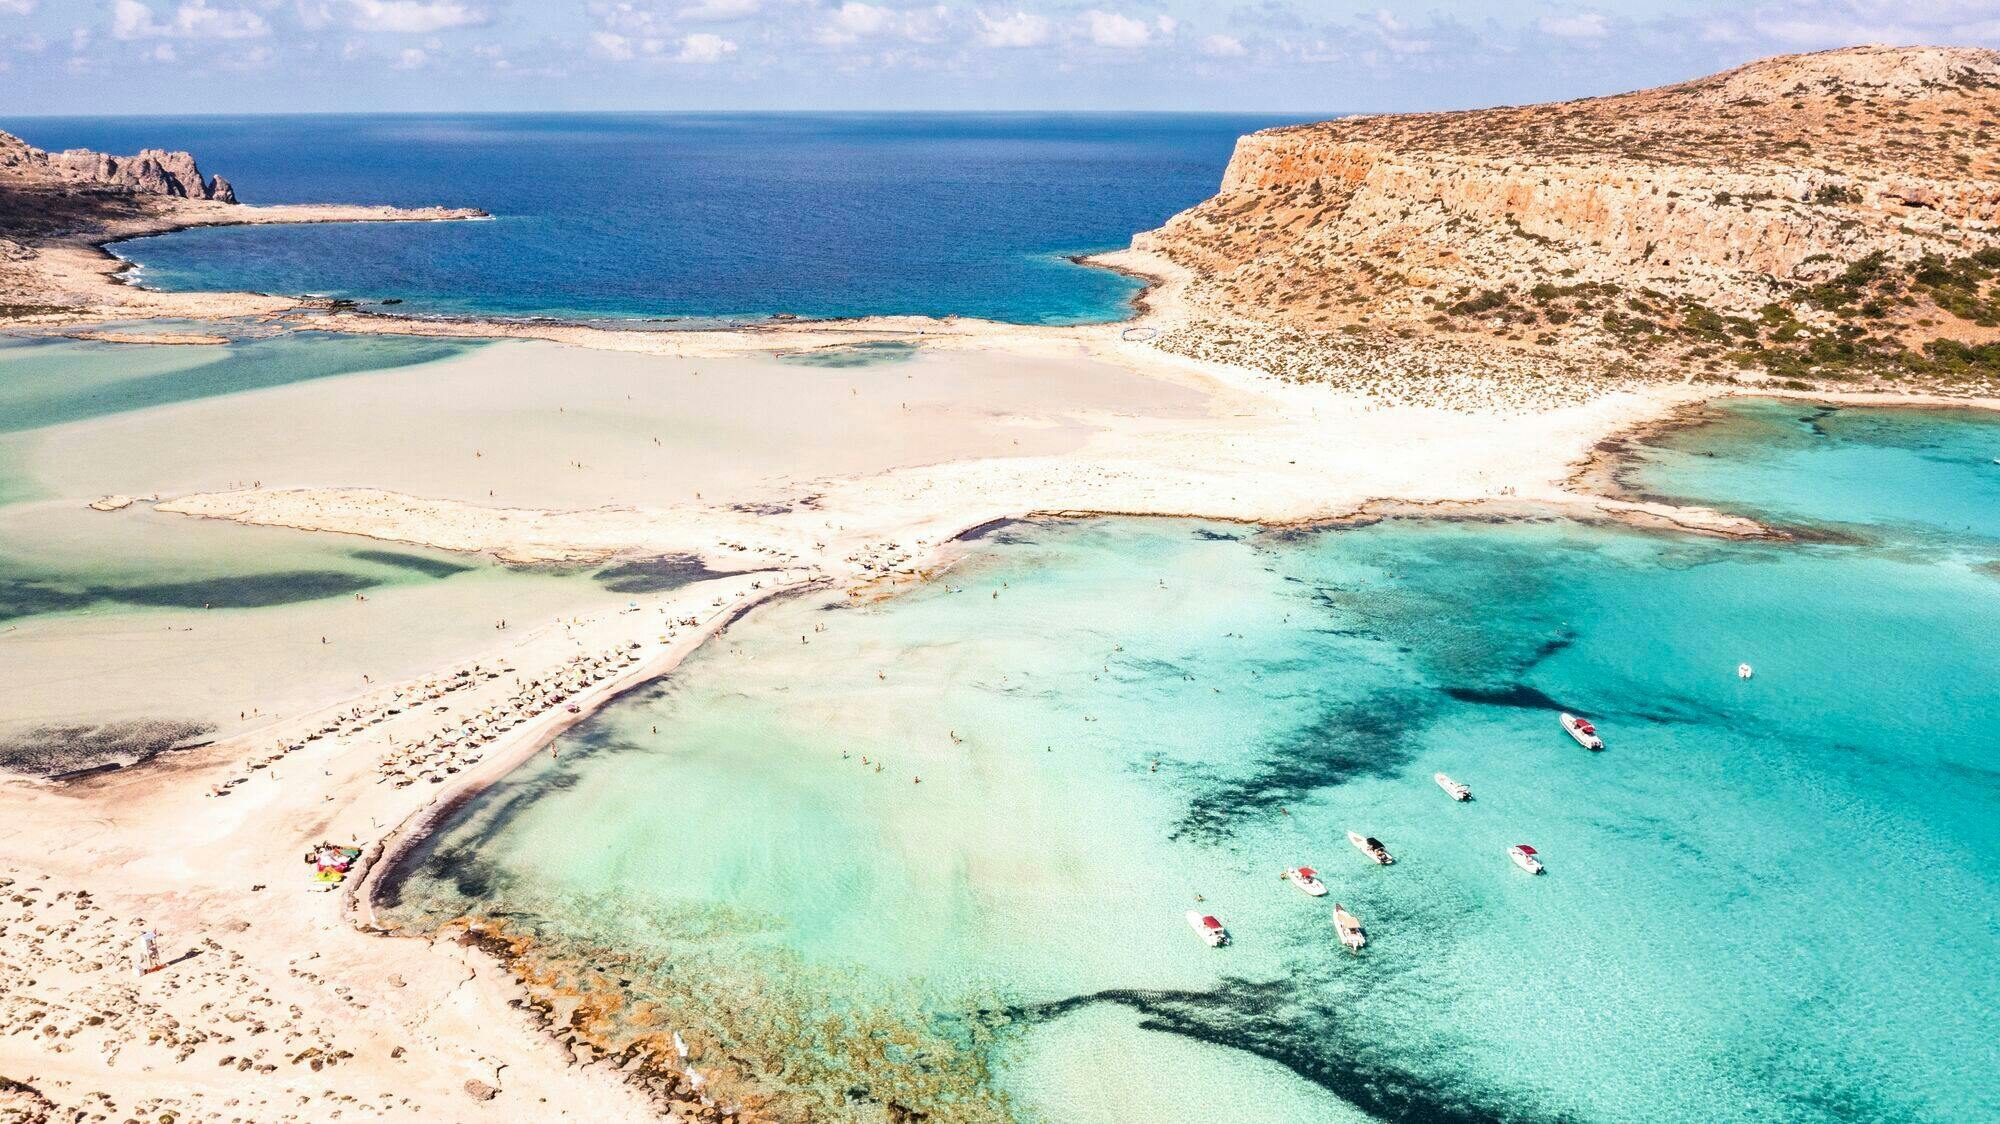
(1766, 899)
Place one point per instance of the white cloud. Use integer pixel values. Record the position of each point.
(704, 47)
(611, 45)
(1798, 24)
(855, 21)
(700, 47)
(164, 52)
(632, 20)
(1016, 29)
(192, 19)
(1223, 47)
(1110, 29)
(414, 17)
(16, 7)
(252, 59)
(411, 59)
(1582, 25)
(720, 11)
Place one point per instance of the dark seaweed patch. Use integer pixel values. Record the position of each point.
(656, 575)
(1207, 535)
(252, 592)
(1518, 695)
(429, 567)
(471, 875)
(1008, 532)
(1273, 1021)
(1345, 741)
(868, 354)
(28, 596)
(56, 750)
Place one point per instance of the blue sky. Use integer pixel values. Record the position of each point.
(1306, 56)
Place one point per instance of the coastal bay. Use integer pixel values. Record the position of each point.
(875, 693)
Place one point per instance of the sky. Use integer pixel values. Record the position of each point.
(1289, 56)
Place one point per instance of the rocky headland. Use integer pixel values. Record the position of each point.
(59, 209)
(1808, 220)
(152, 172)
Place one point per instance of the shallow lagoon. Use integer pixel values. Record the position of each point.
(125, 632)
(1767, 899)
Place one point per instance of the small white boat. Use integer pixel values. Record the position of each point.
(1307, 880)
(1456, 790)
(1207, 928)
(1371, 846)
(1524, 857)
(1584, 733)
(1349, 928)
(1743, 671)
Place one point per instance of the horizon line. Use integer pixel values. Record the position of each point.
(1315, 115)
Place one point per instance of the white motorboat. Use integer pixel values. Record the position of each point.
(1456, 790)
(1524, 857)
(1349, 928)
(1371, 846)
(1207, 928)
(1584, 733)
(1743, 671)
(1307, 880)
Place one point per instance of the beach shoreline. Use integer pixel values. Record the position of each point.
(1262, 452)
(912, 540)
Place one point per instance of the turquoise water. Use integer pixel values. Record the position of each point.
(702, 215)
(1912, 476)
(61, 560)
(1767, 899)
(47, 381)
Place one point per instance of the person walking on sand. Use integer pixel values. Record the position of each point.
(146, 957)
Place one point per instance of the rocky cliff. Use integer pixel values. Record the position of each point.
(1598, 230)
(59, 210)
(151, 172)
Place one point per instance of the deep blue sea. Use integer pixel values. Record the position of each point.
(706, 216)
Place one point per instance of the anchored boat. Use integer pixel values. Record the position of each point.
(1456, 790)
(1307, 880)
(1207, 928)
(1371, 846)
(1524, 857)
(1584, 733)
(1349, 928)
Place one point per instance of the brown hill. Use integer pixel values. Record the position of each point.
(1813, 216)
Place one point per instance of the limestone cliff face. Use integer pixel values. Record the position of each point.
(151, 172)
(1727, 190)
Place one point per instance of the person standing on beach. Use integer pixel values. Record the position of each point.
(146, 956)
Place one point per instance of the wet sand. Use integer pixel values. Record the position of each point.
(539, 425)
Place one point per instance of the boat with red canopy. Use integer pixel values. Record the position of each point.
(1307, 880)
(1207, 928)
(1525, 858)
(1584, 733)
